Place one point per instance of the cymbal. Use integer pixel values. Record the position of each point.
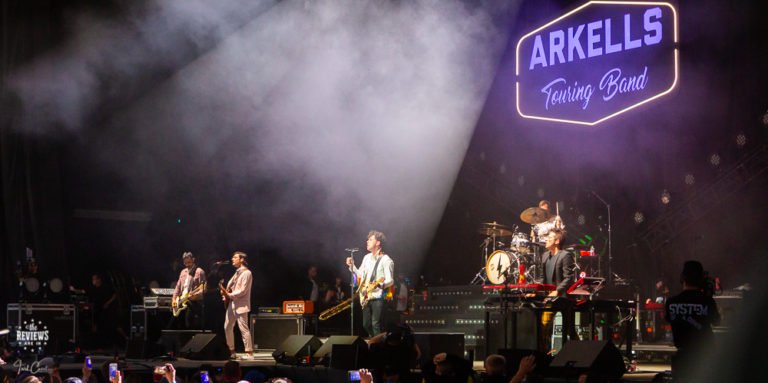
(534, 215)
(490, 229)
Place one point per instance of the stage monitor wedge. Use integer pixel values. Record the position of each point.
(295, 348)
(596, 357)
(205, 346)
(344, 352)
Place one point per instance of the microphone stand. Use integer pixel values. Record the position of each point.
(352, 292)
(610, 255)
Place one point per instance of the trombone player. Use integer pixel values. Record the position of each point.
(377, 268)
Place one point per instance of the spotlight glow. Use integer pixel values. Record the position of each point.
(665, 197)
(741, 140)
(639, 217)
(714, 159)
(690, 179)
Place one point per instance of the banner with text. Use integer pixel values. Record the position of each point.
(597, 61)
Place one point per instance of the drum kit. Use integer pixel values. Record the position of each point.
(510, 255)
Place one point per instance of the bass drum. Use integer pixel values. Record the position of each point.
(502, 266)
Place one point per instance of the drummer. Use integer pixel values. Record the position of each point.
(540, 231)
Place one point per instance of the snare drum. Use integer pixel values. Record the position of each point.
(521, 243)
(502, 266)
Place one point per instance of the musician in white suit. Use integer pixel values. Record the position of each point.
(238, 294)
(376, 265)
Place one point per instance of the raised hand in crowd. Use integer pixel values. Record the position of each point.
(365, 376)
(527, 365)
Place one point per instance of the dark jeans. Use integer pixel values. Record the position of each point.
(372, 317)
(193, 318)
(189, 319)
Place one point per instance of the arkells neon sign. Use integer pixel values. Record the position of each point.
(597, 61)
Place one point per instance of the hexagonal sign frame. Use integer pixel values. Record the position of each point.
(597, 61)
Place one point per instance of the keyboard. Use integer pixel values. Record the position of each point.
(521, 287)
(162, 291)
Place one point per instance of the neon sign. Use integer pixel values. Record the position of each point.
(597, 61)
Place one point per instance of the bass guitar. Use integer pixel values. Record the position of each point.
(182, 301)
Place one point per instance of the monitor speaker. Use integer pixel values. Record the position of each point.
(295, 348)
(343, 352)
(596, 357)
(206, 346)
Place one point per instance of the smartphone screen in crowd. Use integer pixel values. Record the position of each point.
(354, 376)
(204, 377)
(112, 370)
(88, 362)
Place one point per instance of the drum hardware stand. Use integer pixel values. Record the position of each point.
(352, 292)
(480, 277)
(610, 255)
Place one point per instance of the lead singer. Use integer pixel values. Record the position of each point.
(375, 265)
(237, 298)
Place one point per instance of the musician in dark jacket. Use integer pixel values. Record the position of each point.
(559, 265)
(560, 270)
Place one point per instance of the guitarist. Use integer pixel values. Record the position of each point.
(377, 268)
(237, 299)
(188, 288)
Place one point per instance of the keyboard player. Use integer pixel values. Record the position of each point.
(559, 265)
(559, 270)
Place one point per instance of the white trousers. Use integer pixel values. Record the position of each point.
(242, 323)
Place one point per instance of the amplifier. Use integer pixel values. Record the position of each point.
(298, 307)
(269, 310)
(270, 330)
(157, 302)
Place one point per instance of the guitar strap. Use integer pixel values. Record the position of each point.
(188, 281)
(375, 269)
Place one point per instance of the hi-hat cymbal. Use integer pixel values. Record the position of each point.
(490, 229)
(534, 215)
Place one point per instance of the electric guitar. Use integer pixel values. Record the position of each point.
(182, 301)
(224, 291)
(365, 290)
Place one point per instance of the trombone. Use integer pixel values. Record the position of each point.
(335, 309)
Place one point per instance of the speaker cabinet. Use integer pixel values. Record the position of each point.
(206, 346)
(174, 340)
(269, 330)
(598, 357)
(295, 348)
(344, 352)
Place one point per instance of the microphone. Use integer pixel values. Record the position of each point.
(352, 249)
(221, 263)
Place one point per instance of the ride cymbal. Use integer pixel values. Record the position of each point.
(535, 215)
